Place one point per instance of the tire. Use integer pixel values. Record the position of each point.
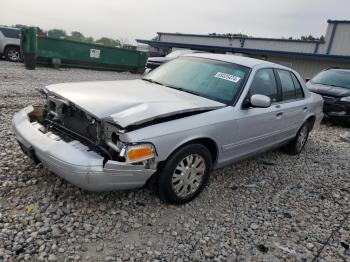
(297, 144)
(12, 54)
(184, 175)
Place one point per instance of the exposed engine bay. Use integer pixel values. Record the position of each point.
(69, 123)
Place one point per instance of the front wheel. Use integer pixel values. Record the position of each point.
(185, 174)
(298, 143)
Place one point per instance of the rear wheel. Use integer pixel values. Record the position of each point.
(185, 174)
(298, 143)
(12, 54)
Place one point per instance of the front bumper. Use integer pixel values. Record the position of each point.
(337, 110)
(74, 161)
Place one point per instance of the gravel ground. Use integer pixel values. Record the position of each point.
(272, 207)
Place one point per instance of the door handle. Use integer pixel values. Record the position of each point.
(279, 114)
(304, 109)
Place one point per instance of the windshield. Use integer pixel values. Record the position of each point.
(217, 80)
(340, 78)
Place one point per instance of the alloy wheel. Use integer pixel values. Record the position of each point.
(13, 55)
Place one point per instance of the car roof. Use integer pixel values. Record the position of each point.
(235, 59)
(8, 27)
(339, 69)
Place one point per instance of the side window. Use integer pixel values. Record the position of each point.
(298, 89)
(264, 83)
(288, 89)
(10, 33)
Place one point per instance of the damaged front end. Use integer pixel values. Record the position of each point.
(70, 122)
(82, 149)
(88, 144)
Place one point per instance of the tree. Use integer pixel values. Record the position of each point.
(230, 35)
(312, 38)
(123, 41)
(20, 26)
(77, 36)
(40, 31)
(57, 33)
(108, 42)
(156, 38)
(89, 39)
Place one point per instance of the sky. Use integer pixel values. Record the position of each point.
(131, 19)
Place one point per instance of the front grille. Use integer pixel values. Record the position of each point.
(79, 122)
(70, 118)
(336, 108)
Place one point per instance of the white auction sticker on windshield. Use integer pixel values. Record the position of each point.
(227, 77)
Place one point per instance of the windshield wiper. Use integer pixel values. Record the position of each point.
(185, 90)
(173, 87)
(152, 81)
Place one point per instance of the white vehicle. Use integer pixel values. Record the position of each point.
(173, 127)
(10, 43)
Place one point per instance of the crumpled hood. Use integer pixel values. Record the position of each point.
(130, 102)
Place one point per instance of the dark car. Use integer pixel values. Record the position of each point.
(334, 86)
(154, 62)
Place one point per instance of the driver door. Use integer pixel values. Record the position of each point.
(259, 128)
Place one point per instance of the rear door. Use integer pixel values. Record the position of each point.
(293, 106)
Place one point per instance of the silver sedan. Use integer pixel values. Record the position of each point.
(170, 129)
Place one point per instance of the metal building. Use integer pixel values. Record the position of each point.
(306, 57)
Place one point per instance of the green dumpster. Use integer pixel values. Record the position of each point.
(39, 49)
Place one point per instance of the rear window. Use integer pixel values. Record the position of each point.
(333, 77)
(298, 89)
(291, 88)
(10, 33)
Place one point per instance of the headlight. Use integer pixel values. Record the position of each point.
(345, 99)
(44, 92)
(138, 153)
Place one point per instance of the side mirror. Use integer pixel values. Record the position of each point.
(260, 101)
